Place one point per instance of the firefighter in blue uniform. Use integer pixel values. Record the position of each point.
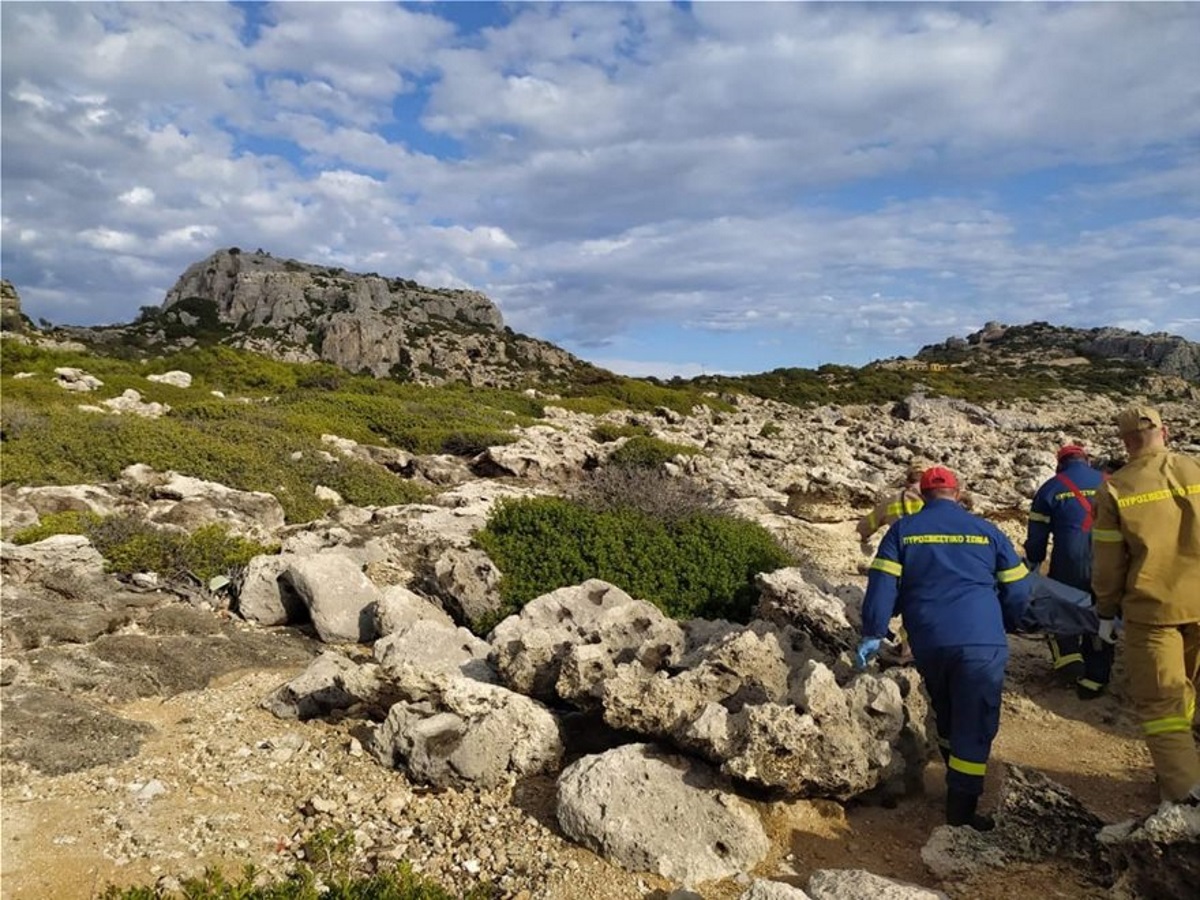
(1061, 514)
(960, 586)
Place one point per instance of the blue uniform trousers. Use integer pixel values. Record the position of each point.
(965, 685)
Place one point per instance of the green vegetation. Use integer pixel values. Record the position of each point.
(643, 451)
(607, 432)
(265, 435)
(328, 875)
(596, 391)
(130, 544)
(978, 381)
(699, 565)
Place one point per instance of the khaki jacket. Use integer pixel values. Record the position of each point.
(1146, 541)
(894, 506)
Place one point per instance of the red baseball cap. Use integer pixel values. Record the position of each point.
(938, 477)
(1070, 450)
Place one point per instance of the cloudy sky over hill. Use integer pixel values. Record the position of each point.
(660, 188)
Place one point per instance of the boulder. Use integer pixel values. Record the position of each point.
(331, 681)
(436, 646)
(858, 884)
(340, 599)
(452, 731)
(1158, 856)
(651, 811)
(399, 608)
(265, 597)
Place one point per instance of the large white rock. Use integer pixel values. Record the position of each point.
(339, 596)
(651, 811)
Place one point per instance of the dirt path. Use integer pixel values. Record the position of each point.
(223, 782)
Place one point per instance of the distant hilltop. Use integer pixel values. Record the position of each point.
(364, 323)
(1041, 342)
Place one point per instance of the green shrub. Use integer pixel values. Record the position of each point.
(702, 565)
(607, 432)
(329, 877)
(769, 430)
(68, 522)
(130, 544)
(648, 452)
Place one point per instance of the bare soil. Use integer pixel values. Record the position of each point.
(222, 782)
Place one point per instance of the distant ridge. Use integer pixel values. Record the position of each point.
(1167, 354)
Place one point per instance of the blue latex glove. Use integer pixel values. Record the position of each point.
(867, 648)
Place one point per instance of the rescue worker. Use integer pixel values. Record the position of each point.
(960, 586)
(892, 506)
(1062, 511)
(1146, 569)
(895, 504)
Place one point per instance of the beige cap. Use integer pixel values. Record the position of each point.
(1138, 418)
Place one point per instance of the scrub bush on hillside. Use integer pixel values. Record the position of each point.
(700, 565)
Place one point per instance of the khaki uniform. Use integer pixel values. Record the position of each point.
(1146, 568)
(889, 509)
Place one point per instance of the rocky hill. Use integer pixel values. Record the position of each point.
(1167, 354)
(301, 312)
(158, 719)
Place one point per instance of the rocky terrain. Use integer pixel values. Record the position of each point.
(150, 730)
(1041, 342)
(588, 746)
(302, 312)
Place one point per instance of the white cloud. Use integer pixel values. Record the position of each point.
(861, 173)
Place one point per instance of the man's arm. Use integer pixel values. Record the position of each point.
(874, 520)
(1110, 555)
(1037, 532)
(883, 587)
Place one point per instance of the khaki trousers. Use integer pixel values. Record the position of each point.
(1163, 662)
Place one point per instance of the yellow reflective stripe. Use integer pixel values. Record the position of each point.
(1169, 725)
(1106, 536)
(871, 523)
(1066, 659)
(912, 506)
(1184, 490)
(967, 768)
(1016, 573)
(1039, 517)
(945, 539)
(895, 509)
(1089, 684)
(1067, 495)
(887, 566)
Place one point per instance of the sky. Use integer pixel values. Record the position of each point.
(660, 188)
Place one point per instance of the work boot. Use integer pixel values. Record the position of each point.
(1069, 674)
(1086, 689)
(960, 810)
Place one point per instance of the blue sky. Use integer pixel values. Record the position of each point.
(660, 188)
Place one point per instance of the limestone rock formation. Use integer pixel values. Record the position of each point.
(386, 326)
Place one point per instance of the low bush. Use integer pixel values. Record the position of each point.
(700, 565)
(131, 544)
(68, 522)
(652, 492)
(328, 874)
(648, 452)
(607, 432)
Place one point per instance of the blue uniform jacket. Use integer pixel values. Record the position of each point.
(954, 577)
(1056, 511)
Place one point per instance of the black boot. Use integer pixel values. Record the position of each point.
(960, 810)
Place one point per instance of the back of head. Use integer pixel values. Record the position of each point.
(938, 482)
(1140, 427)
(1070, 453)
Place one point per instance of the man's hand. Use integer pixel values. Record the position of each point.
(867, 648)
(1107, 631)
